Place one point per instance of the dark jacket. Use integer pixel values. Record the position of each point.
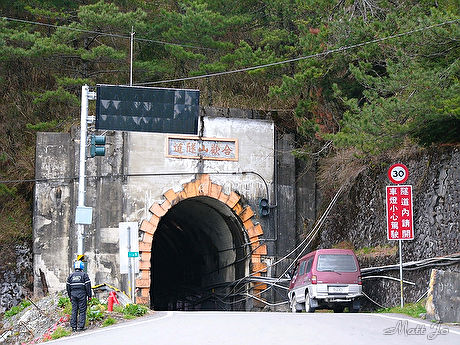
(79, 285)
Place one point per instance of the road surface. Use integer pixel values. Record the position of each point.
(241, 328)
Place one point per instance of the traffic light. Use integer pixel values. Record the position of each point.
(264, 207)
(97, 145)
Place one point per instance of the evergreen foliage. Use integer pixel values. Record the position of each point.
(371, 97)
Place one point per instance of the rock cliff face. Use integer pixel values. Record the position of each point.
(360, 219)
(16, 279)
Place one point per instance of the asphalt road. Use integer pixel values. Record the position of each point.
(240, 328)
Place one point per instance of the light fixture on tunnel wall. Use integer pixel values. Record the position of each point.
(264, 208)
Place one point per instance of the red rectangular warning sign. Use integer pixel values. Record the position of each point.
(399, 213)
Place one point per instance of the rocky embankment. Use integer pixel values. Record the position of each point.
(16, 275)
(359, 218)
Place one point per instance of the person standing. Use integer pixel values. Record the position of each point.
(79, 290)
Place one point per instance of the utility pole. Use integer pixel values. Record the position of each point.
(131, 57)
(83, 214)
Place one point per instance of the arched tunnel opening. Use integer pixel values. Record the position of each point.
(198, 249)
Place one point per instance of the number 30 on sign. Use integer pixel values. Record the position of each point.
(398, 173)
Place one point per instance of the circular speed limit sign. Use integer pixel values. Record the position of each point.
(398, 173)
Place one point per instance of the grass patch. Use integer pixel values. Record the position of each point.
(59, 333)
(377, 251)
(411, 309)
(118, 308)
(109, 321)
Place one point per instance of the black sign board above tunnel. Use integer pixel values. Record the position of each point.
(145, 109)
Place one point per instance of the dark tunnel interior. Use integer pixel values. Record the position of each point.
(198, 248)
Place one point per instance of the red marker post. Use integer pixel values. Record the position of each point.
(399, 211)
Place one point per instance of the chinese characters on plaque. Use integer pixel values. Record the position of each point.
(399, 212)
(205, 148)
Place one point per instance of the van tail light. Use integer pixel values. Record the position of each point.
(313, 279)
(360, 282)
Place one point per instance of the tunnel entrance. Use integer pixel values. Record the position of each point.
(198, 248)
(196, 242)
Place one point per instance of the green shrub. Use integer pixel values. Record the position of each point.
(63, 301)
(66, 305)
(96, 310)
(134, 310)
(43, 126)
(17, 309)
(95, 314)
(94, 301)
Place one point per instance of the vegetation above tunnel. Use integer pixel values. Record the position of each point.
(366, 99)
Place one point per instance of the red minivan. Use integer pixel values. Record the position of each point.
(326, 278)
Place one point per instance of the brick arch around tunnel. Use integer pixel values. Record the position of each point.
(200, 187)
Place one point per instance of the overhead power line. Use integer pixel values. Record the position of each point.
(101, 33)
(327, 52)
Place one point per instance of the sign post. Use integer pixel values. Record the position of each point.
(399, 211)
(129, 254)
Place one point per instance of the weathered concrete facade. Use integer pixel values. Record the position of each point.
(207, 201)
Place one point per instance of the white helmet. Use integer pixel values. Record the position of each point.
(78, 265)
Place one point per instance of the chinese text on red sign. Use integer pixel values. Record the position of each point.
(399, 212)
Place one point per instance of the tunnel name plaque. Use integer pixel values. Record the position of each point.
(194, 147)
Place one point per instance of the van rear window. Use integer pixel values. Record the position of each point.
(336, 262)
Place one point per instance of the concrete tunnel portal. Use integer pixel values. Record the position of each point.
(197, 249)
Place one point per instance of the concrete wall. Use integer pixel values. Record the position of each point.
(146, 155)
(53, 209)
(117, 194)
(443, 302)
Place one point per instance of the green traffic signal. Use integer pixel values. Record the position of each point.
(97, 145)
(264, 208)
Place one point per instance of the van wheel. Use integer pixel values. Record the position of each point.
(295, 306)
(308, 307)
